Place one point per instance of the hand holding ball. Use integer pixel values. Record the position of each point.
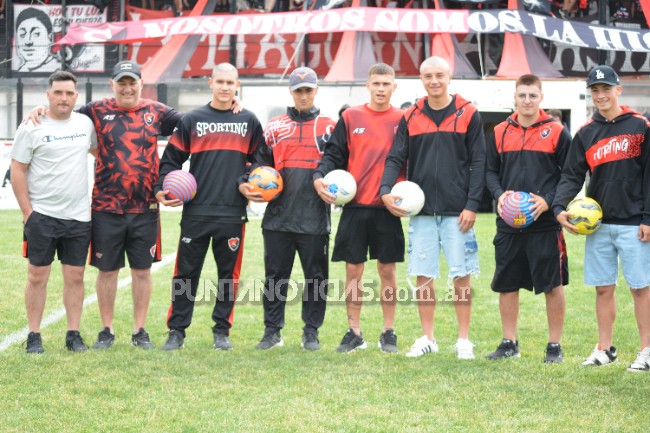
(180, 185)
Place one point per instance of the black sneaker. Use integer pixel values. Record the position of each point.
(553, 353)
(222, 342)
(174, 341)
(141, 339)
(104, 339)
(506, 349)
(351, 342)
(310, 341)
(388, 341)
(34, 343)
(74, 342)
(270, 340)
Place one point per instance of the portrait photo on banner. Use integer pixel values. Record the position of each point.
(36, 30)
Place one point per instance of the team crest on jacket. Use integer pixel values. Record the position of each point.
(545, 132)
(233, 244)
(149, 118)
(460, 112)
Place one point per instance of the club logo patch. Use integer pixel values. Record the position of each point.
(545, 132)
(233, 244)
(149, 118)
(152, 250)
(99, 255)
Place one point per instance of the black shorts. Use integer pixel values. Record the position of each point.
(368, 229)
(114, 234)
(43, 235)
(532, 261)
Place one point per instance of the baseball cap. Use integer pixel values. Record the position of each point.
(126, 69)
(303, 77)
(603, 74)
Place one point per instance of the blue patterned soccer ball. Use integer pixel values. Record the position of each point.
(180, 184)
(516, 210)
(342, 185)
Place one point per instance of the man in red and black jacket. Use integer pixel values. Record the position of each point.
(526, 153)
(221, 144)
(441, 140)
(359, 144)
(614, 147)
(297, 220)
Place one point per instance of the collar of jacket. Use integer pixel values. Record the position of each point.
(303, 116)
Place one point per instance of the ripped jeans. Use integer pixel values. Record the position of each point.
(427, 234)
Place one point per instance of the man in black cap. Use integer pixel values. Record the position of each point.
(613, 146)
(124, 210)
(297, 220)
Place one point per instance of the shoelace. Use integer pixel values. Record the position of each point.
(390, 338)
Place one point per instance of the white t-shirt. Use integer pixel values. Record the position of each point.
(57, 154)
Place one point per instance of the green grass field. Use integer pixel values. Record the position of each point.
(286, 390)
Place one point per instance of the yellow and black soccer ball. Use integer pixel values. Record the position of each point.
(585, 214)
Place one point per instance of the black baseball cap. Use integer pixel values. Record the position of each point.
(126, 69)
(603, 74)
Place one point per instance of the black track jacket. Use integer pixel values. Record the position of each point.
(446, 160)
(527, 159)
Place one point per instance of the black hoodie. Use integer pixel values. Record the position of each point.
(617, 156)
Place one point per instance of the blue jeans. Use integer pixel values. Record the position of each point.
(608, 245)
(428, 234)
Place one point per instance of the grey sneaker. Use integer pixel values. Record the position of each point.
(351, 342)
(388, 342)
(34, 343)
(507, 349)
(310, 341)
(175, 340)
(222, 342)
(74, 342)
(553, 353)
(270, 340)
(104, 339)
(141, 339)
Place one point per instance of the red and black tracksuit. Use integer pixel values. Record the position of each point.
(445, 155)
(617, 156)
(528, 159)
(220, 144)
(297, 220)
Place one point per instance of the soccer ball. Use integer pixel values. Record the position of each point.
(267, 181)
(585, 214)
(516, 210)
(412, 196)
(180, 185)
(342, 185)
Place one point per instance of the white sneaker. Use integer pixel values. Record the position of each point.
(600, 357)
(464, 349)
(642, 362)
(422, 346)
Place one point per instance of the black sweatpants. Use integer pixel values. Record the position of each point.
(227, 248)
(279, 254)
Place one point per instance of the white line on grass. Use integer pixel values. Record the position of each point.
(59, 314)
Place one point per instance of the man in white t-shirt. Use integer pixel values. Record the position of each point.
(49, 175)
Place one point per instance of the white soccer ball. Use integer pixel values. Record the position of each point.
(412, 196)
(342, 185)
